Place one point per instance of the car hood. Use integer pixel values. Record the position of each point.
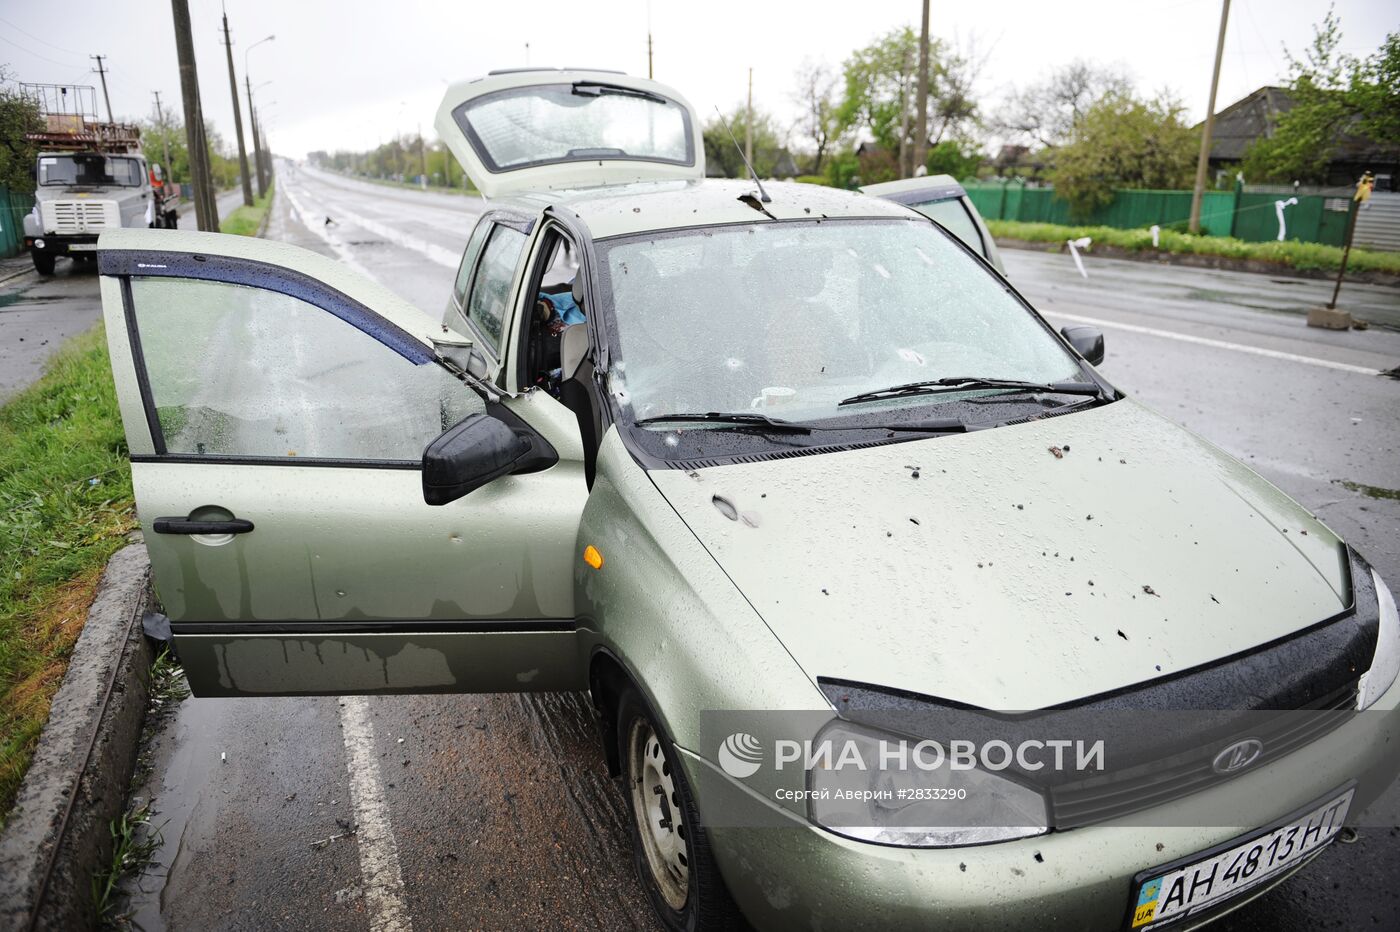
(985, 569)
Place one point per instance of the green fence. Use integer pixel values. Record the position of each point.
(1243, 214)
(13, 207)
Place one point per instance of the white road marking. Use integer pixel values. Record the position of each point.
(341, 250)
(379, 853)
(1217, 344)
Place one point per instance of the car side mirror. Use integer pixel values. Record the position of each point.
(477, 450)
(1087, 342)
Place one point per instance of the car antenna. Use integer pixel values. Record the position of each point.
(762, 194)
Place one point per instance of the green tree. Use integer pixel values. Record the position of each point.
(1124, 142)
(881, 86)
(721, 153)
(1335, 95)
(18, 115)
(950, 157)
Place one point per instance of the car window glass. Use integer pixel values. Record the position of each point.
(240, 371)
(953, 217)
(575, 122)
(803, 315)
(490, 290)
(469, 256)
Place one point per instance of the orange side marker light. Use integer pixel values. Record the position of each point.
(592, 557)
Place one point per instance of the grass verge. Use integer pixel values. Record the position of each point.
(65, 507)
(245, 220)
(1292, 254)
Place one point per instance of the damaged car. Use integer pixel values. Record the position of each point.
(715, 451)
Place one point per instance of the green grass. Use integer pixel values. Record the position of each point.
(135, 841)
(65, 507)
(1290, 254)
(245, 220)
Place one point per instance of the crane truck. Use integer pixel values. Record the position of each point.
(89, 176)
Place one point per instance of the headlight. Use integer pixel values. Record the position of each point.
(1385, 664)
(39, 244)
(897, 798)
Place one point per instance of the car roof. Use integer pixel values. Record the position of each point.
(917, 190)
(622, 210)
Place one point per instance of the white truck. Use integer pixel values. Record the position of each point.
(89, 176)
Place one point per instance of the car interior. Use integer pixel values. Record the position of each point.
(553, 352)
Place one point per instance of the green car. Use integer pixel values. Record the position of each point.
(759, 468)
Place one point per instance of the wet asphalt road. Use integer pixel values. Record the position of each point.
(498, 808)
(37, 315)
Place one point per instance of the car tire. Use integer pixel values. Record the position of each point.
(670, 846)
(43, 261)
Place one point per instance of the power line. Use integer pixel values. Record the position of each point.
(37, 39)
(29, 51)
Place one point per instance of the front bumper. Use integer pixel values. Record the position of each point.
(63, 244)
(804, 877)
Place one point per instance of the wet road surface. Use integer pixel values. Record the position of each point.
(38, 314)
(496, 811)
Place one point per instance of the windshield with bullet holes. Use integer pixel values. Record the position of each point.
(790, 318)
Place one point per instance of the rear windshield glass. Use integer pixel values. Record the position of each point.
(575, 122)
(89, 170)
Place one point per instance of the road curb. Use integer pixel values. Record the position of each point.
(1201, 261)
(58, 834)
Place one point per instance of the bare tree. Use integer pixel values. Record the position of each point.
(1046, 113)
(819, 123)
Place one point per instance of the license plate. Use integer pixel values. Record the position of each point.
(1171, 893)
(82, 247)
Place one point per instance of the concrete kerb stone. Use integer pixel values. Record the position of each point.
(58, 834)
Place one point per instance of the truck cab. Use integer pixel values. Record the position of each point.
(89, 177)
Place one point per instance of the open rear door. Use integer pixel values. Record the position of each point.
(542, 129)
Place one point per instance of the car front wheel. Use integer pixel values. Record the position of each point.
(43, 261)
(669, 844)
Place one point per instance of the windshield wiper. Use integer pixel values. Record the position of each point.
(929, 425)
(721, 417)
(961, 383)
(599, 89)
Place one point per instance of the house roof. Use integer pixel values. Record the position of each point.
(1255, 116)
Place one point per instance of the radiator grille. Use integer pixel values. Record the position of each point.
(67, 217)
(1138, 788)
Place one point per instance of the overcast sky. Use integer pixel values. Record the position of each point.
(349, 74)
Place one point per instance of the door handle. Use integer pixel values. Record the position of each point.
(189, 526)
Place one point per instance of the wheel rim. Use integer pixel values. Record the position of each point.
(657, 809)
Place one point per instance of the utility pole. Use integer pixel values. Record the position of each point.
(164, 138)
(921, 124)
(423, 154)
(748, 124)
(257, 142)
(102, 73)
(650, 73)
(194, 125)
(1203, 162)
(211, 209)
(238, 120)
